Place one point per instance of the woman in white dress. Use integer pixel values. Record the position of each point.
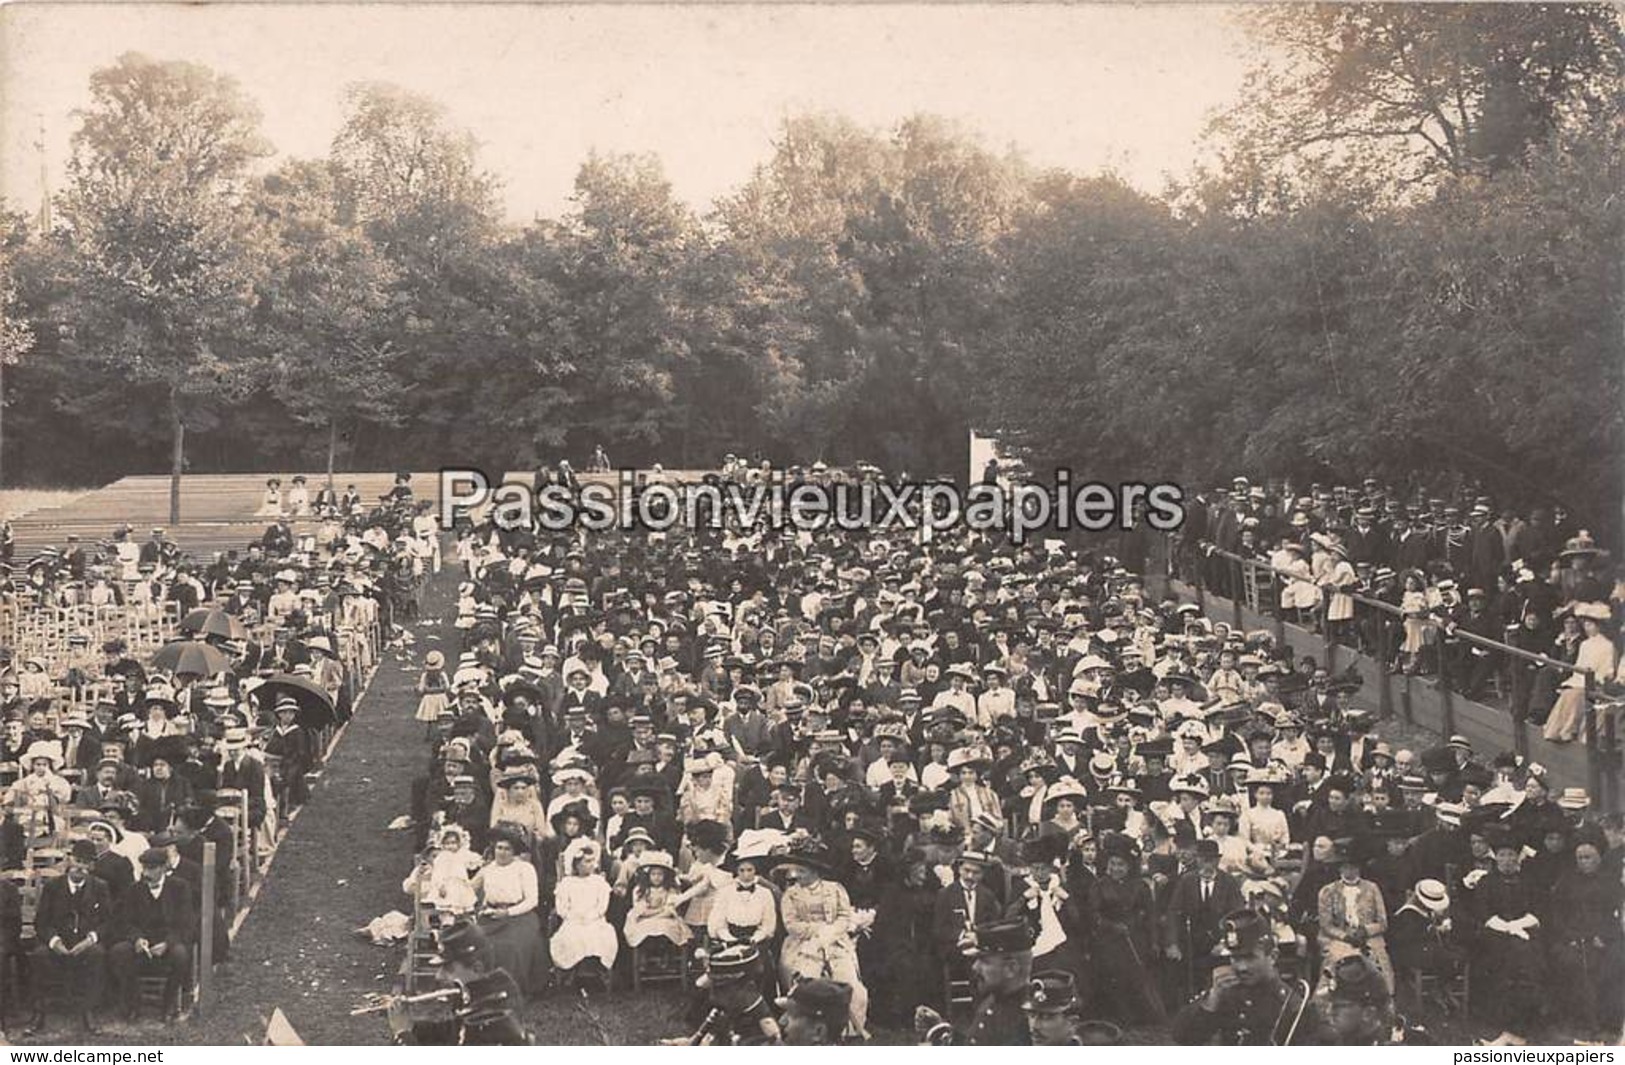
(584, 947)
(1262, 825)
(1596, 653)
(271, 505)
(299, 498)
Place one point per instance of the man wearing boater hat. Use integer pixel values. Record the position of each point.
(1002, 959)
(1248, 1004)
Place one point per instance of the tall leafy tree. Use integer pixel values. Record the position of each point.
(618, 262)
(1421, 90)
(16, 334)
(411, 180)
(163, 258)
(324, 308)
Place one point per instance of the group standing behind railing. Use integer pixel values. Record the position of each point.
(1529, 608)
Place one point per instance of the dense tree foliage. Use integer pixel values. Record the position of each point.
(1406, 261)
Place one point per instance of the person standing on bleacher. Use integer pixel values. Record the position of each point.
(71, 927)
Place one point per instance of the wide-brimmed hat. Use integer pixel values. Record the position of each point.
(756, 845)
(1190, 783)
(808, 853)
(579, 811)
(564, 776)
(1578, 547)
(1065, 788)
(969, 757)
(656, 860)
(49, 750)
(1125, 786)
(638, 834)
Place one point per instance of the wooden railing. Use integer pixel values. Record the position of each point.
(1593, 764)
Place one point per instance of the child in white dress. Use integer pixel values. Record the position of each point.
(654, 910)
(584, 947)
(433, 689)
(443, 877)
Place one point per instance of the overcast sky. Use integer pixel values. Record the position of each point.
(702, 87)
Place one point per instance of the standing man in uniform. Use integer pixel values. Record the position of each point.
(1002, 959)
(1248, 1003)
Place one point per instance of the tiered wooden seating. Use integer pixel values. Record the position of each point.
(217, 509)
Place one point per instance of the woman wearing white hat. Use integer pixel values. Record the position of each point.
(1596, 654)
(41, 788)
(972, 796)
(35, 680)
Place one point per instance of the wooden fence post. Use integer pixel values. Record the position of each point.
(1447, 702)
(1387, 698)
(1238, 591)
(205, 968)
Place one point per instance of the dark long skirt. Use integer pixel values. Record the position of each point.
(518, 947)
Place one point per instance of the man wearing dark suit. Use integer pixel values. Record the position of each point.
(190, 872)
(11, 935)
(1366, 541)
(243, 773)
(106, 785)
(108, 865)
(156, 927)
(788, 816)
(166, 793)
(71, 928)
(1200, 900)
(963, 905)
(195, 827)
(81, 747)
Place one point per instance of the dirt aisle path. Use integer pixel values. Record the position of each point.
(337, 868)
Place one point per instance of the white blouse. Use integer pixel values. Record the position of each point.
(512, 886)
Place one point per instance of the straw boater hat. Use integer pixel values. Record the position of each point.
(1574, 799)
(1431, 894)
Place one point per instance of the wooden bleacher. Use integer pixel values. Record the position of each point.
(217, 509)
